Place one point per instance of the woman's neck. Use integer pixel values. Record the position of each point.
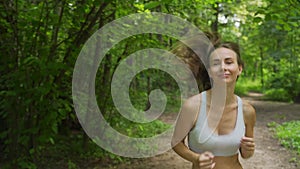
(223, 92)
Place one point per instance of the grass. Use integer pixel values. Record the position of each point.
(288, 134)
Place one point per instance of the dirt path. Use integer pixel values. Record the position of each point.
(269, 153)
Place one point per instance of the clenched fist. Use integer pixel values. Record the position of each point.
(205, 161)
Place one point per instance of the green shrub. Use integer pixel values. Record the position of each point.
(278, 95)
(245, 85)
(289, 134)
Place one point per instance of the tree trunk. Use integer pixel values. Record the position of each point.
(215, 24)
(261, 67)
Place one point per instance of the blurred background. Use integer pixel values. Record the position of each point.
(40, 41)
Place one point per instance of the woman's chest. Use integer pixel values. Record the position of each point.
(225, 123)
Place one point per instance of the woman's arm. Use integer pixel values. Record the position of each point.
(203, 160)
(247, 142)
(182, 150)
(184, 124)
(186, 120)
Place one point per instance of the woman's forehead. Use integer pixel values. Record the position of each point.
(222, 53)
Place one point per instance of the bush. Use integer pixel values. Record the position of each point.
(289, 134)
(245, 85)
(278, 95)
(283, 85)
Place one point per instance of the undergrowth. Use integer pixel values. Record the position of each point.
(288, 134)
(246, 85)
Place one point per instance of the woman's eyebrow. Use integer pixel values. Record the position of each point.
(228, 58)
(216, 60)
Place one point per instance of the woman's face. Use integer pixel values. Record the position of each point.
(224, 66)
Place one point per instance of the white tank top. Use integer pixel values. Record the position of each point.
(202, 138)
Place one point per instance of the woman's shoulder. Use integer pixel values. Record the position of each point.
(249, 111)
(190, 109)
(247, 107)
(193, 100)
(192, 103)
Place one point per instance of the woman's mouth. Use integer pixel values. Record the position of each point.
(224, 75)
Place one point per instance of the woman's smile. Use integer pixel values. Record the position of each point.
(224, 75)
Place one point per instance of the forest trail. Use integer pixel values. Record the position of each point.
(269, 154)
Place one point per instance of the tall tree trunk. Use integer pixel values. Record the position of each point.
(106, 73)
(13, 115)
(261, 67)
(215, 24)
(148, 105)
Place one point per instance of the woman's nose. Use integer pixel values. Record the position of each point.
(223, 66)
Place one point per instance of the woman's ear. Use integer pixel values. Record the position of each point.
(240, 70)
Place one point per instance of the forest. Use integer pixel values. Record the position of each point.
(40, 41)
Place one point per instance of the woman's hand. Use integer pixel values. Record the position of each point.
(205, 161)
(247, 147)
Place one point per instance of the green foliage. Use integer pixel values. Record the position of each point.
(288, 134)
(274, 43)
(277, 95)
(283, 86)
(140, 92)
(40, 41)
(245, 85)
(145, 130)
(39, 44)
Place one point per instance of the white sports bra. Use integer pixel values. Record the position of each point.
(202, 138)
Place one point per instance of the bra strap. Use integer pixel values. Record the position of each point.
(240, 119)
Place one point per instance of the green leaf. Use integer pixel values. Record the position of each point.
(260, 11)
(268, 17)
(287, 27)
(257, 19)
(51, 140)
(151, 5)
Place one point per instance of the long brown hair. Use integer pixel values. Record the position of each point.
(197, 54)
